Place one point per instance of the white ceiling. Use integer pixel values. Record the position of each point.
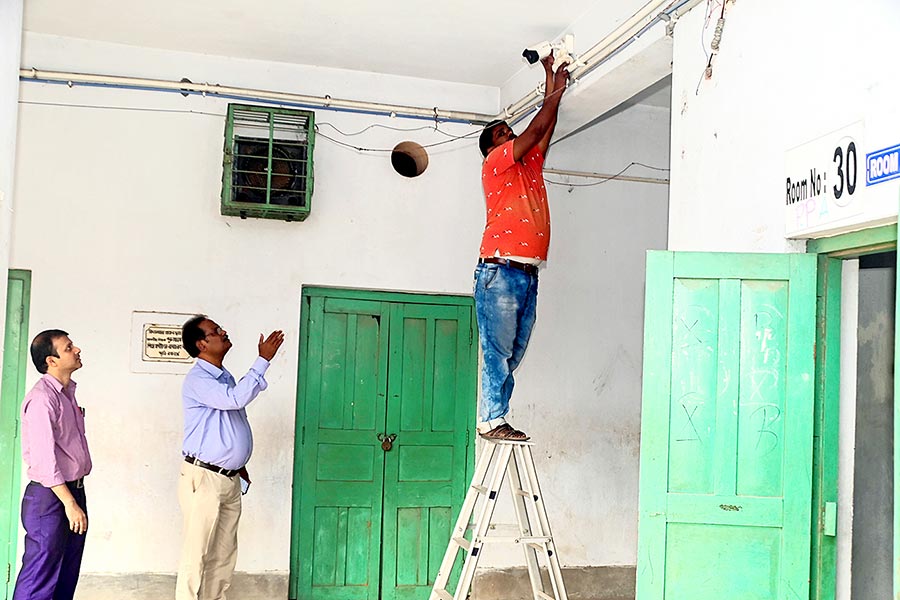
(467, 41)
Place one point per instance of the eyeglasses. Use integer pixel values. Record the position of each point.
(218, 331)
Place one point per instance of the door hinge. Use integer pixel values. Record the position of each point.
(471, 334)
(8, 572)
(303, 435)
(467, 438)
(22, 314)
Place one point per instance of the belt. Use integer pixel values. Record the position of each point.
(205, 465)
(494, 260)
(77, 484)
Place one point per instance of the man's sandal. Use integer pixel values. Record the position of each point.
(505, 433)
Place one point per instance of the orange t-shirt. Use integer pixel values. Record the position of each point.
(518, 216)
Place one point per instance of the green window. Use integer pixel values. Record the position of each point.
(268, 164)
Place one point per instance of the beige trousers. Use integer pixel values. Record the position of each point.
(211, 504)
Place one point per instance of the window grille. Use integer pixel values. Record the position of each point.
(268, 166)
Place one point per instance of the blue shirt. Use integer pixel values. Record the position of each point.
(216, 429)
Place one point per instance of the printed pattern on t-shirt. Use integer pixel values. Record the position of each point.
(518, 215)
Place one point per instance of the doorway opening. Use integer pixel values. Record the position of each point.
(866, 448)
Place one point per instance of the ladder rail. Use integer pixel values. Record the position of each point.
(516, 485)
(514, 462)
(555, 571)
(482, 523)
(462, 522)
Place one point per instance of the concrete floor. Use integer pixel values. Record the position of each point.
(599, 583)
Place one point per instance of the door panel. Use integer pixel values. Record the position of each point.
(430, 389)
(727, 413)
(15, 347)
(343, 463)
(374, 523)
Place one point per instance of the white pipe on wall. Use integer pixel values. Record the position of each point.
(596, 55)
(604, 49)
(252, 94)
(590, 175)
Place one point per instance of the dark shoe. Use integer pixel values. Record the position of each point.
(505, 433)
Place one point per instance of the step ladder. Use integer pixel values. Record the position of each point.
(513, 459)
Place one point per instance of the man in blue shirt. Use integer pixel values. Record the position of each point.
(217, 445)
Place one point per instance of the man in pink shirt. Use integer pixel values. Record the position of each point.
(54, 447)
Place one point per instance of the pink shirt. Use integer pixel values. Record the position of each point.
(53, 443)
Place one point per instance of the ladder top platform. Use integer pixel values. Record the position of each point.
(507, 442)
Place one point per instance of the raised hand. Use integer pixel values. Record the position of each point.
(561, 77)
(269, 346)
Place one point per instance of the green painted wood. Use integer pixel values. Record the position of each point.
(727, 424)
(369, 523)
(432, 379)
(883, 237)
(823, 566)
(12, 390)
(339, 499)
(379, 296)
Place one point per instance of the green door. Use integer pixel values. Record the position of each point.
(430, 403)
(368, 522)
(15, 348)
(341, 466)
(727, 427)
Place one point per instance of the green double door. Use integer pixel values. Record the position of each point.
(727, 427)
(387, 385)
(15, 346)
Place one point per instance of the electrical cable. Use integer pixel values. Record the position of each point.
(452, 137)
(402, 129)
(126, 108)
(714, 44)
(610, 178)
(365, 149)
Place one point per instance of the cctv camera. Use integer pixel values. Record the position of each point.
(562, 50)
(537, 52)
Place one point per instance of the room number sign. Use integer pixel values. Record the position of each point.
(823, 181)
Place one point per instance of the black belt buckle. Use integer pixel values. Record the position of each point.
(211, 467)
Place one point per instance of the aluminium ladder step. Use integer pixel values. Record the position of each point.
(514, 462)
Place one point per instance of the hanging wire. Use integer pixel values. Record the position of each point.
(365, 149)
(126, 108)
(604, 180)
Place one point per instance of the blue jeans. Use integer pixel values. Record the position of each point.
(506, 306)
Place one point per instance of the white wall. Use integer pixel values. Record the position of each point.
(10, 48)
(787, 73)
(118, 211)
(580, 382)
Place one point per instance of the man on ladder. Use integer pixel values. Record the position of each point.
(515, 242)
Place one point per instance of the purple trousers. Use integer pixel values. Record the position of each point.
(52, 557)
